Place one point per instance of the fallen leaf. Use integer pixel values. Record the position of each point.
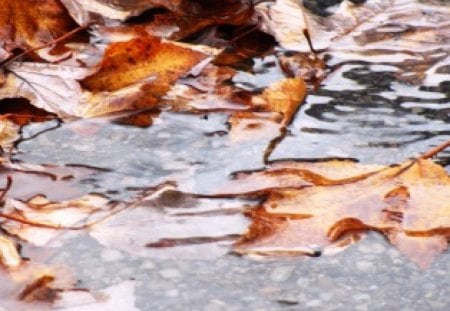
(408, 203)
(9, 133)
(9, 255)
(33, 286)
(82, 11)
(400, 32)
(126, 63)
(31, 24)
(133, 75)
(39, 221)
(167, 223)
(116, 297)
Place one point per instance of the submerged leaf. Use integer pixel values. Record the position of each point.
(408, 203)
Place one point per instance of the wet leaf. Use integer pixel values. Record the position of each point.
(9, 255)
(30, 24)
(126, 63)
(133, 75)
(167, 223)
(39, 221)
(305, 210)
(116, 297)
(9, 132)
(33, 286)
(82, 11)
(401, 32)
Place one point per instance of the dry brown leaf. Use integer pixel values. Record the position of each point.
(29, 24)
(195, 16)
(408, 203)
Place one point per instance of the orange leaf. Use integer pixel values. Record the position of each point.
(28, 24)
(409, 204)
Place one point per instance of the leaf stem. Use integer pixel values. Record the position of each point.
(432, 152)
(57, 40)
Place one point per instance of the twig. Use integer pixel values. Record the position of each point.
(57, 40)
(432, 152)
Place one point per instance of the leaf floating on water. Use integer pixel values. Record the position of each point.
(408, 203)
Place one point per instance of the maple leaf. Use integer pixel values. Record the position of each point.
(31, 24)
(305, 210)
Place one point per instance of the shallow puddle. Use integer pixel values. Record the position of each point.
(174, 244)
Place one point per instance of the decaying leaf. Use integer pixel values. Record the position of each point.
(126, 63)
(39, 220)
(9, 132)
(82, 11)
(305, 211)
(32, 23)
(133, 75)
(402, 32)
(33, 286)
(9, 256)
(358, 24)
(168, 223)
(116, 297)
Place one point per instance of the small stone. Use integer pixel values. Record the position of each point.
(170, 274)
(281, 274)
(110, 255)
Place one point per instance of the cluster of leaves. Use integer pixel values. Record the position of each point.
(66, 59)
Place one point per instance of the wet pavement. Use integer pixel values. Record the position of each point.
(365, 111)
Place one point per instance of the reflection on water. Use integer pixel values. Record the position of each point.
(366, 112)
(195, 151)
